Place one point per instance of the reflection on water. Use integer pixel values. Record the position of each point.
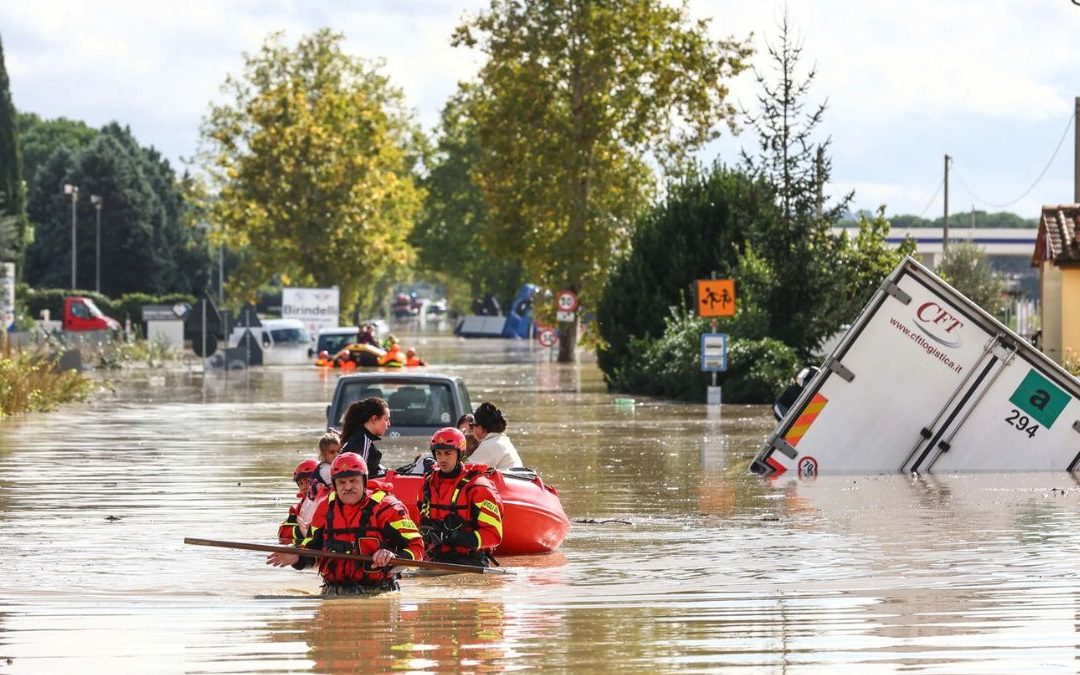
(685, 561)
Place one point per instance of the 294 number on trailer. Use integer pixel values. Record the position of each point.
(1022, 422)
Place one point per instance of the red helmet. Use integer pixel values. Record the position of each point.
(448, 438)
(305, 469)
(348, 464)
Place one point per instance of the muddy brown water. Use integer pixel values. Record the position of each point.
(688, 562)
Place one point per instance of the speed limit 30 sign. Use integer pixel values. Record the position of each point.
(566, 301)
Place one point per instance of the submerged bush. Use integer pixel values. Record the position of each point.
(670, 366)
(30, 383)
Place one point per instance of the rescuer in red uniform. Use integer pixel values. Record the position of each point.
(354, 519)
(460, 510)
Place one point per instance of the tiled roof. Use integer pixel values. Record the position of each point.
(1059, 238)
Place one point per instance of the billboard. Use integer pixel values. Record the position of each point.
(316, 307)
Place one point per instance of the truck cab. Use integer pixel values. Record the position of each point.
(81, 314)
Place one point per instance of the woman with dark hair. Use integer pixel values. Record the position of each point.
(365, 422)
(465, 425)
(495, 449)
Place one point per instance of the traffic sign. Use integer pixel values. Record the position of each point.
(564, 316)
(547, 337)
(715, 297)
(566, 301)
(714, 352)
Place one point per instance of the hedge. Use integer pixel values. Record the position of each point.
(128, 306)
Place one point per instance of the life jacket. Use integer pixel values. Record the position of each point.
(395, 358)
(295, 527)
(287, 529)
(470, 505)
(414, 361)
(380, 522)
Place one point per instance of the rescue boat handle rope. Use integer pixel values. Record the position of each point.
(312, 553)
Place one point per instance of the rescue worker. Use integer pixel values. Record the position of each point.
(495, 448)
(412, 360)
(354, 519)
(394, 357)
(365, 422)
(295, 527)
(460, 509)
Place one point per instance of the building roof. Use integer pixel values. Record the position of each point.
(1059, 239)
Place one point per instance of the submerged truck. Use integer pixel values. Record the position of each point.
(925, 381)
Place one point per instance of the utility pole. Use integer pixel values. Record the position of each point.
(1076, 153)
(945, 224)
(96, 201)
(73, 190)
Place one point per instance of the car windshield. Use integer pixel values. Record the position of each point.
(335, 343)
(412, 404)
(94, 311)
(290, 335)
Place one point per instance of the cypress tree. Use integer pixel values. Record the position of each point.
(12, 189)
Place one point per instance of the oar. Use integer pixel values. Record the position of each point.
(314, 553)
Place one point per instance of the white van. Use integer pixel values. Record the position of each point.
(285, 342)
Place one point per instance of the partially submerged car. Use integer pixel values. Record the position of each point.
(420, 403)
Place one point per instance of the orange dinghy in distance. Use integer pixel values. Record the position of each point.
(533, 516)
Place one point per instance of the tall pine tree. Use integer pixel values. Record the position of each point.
(12, 188)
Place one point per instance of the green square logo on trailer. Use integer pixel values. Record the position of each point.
(1040, 398)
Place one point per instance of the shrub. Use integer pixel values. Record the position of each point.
(30, 383)
(670, 366)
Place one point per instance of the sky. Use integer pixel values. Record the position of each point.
(991, 83)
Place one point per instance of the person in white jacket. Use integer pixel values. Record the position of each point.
(495, 449)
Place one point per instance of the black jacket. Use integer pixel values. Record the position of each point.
(362, 442)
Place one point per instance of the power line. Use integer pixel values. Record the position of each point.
(1042, 173)
(932, 198)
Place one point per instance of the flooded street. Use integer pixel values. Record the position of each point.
(678, 559)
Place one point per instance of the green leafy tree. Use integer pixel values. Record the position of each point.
(311, 168)
(39, 138)
(865, 260)
(806, 307)
(450, 238)
(702, 226)
(967, 269)
(12, 186)
(573, 100)
(138, 254)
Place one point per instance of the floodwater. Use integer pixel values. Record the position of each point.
(678, 560)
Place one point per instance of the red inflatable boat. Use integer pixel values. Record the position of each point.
(533, 517)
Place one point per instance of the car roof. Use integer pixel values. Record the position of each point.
(390, 376)
(339, 330)
(282, 323)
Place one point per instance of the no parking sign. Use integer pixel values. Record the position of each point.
(547, 337)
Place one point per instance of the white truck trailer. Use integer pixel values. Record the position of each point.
(925, 381)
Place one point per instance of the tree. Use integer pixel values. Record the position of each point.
(310, 167)
(574, 99)
(967, 269)
(12, 186)
(39, 138)
(703, 226)
(806, 307)
(451, 236)
(143, 247)
(865, 261)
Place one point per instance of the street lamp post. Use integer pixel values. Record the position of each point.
(72, 190)
(96, 201)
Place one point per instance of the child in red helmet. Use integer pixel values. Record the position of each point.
(460, 509)
(295, 526)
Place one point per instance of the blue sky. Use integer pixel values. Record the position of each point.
(992, 83)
